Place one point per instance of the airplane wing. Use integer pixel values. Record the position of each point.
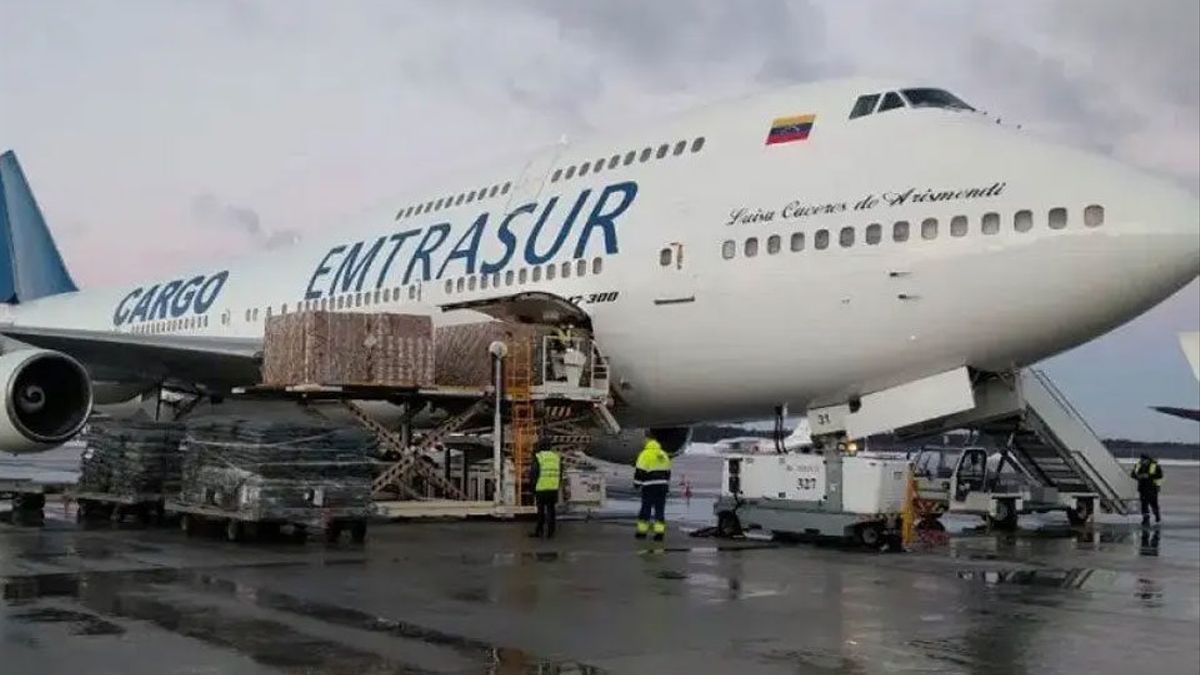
(217, 363)
(1185, 413)
(1190, 343)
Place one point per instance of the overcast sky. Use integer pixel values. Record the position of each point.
(162, 134)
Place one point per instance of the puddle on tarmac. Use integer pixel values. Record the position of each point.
(81, 623)
(671, 575)
(1069, 578)
(134, 596)
(50, 550)
(813, 661)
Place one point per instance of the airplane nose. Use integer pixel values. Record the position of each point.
(1171, 231)
(1154, 230)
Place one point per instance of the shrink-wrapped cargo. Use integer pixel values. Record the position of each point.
(130, 457)
(285, 469)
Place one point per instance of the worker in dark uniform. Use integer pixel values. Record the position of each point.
(653, 475)
(1149, 477)
(546, 475)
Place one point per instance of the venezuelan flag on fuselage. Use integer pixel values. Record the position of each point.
(788, 129)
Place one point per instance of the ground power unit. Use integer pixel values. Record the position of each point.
(813, 495)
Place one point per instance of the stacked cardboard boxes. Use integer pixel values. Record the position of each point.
(336, 348)
(462, 358)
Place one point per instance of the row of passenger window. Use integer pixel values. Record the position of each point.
(989, 224)
(170, 325)
(613, 162)
(331, 303)
(392, 295)
(525, 275)
(447, 202)
(567, 174)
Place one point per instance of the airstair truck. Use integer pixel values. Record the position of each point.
(967, 481)
(822, 494)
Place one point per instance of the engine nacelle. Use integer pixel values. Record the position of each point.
(623, 448)
(47, 397)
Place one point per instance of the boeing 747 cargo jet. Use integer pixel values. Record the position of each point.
(844, 248)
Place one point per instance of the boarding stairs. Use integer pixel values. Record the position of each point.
(1045, 435)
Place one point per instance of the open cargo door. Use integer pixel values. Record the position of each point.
(534, 307)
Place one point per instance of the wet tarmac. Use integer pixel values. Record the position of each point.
(482, 597)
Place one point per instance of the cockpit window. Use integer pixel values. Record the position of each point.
(925, 97)
(891, 101)
(865, 105)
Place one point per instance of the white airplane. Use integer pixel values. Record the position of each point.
(807, 247)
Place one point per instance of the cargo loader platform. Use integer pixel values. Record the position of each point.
(456, 435)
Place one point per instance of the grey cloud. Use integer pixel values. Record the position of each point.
(247, 219)
(281, 239)
(676, 43)
(1152, 45)
(209, 211)
(1050, 91)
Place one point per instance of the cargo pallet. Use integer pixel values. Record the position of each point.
(145, 507)
(243, 525)
(28, 498)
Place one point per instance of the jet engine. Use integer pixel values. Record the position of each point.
(623, 447)
(47, 397)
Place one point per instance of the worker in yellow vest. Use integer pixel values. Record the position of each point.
(1149, 477)
(546, 476)
(652, 474)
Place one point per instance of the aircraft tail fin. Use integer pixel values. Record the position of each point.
(30, 265)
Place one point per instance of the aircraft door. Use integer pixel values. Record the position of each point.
(676, 282)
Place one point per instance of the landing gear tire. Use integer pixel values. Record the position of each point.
(1005, 518)
(869, 535)
(728, 525)
(1081, 514)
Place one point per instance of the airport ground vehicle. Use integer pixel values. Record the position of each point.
(813, 495)
(28, 498)
(969, 481)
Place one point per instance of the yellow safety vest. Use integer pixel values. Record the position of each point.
(1148, 470)
(549, 471)
(653, 465)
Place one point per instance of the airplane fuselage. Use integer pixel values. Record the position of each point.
(725, 274)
